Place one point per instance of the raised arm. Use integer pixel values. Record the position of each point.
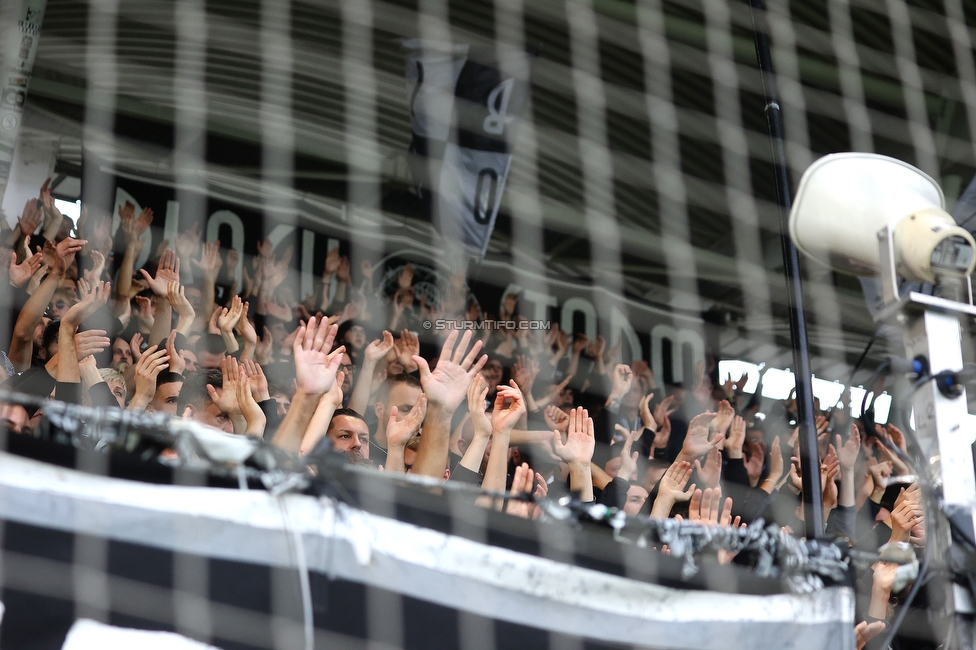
(475, 453)
(133, 229)
(152, 362)
(445, 388)
(184, 310)
(375, 352)
(248, 334)
(227, 320)
(21, 344)
(254, 418)
(672, 489)
(509, 408)
(577, 451)
(209, 265)
(68, 371)
(226, 400)
(847, 454)
(697, 441)
(167, 272)
(328, 404)
(315, 372)
(29, 221)
(399, 431)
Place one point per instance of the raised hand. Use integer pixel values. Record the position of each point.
(864, 632)
(167, 272)
(226, 400)
(176, 295)
(89, 342)
(399, 431)
(447, 384)
(722, 419)
(188, 241)
(663, 410)
(644, 407)
(711, 472)
(332, 261)
(133, 228)
(556, 419)
(64, 253)
(908, 504)
(696, 441)
(879, 473)
(847, 452)
(580, 443)
(525, 371)
(776, 465)
(406, 348)
(315, 371)
(728, 387)
(176, 362)
(83, 288)
(579, 344)
(737, 438)
(85, 308)
(897, 437)
(753, 462)
(506, 417)
(477, 393)
(254, 418)
(257, 379)
(897, 463)
(523, 485)
(94, 274)
(135, 346)
(705, 508)
(263, 352)
(597, 347)
(147, 369)
(672, 489)
(246, 329)
(21, 273)
(30, 219)
(623, 378)
(829, 469)
(628, 459)
(378, 349)
(210, 262)
(228, 317)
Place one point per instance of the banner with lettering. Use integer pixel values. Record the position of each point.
(464, 107)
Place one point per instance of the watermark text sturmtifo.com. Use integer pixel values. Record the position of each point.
(447, 324)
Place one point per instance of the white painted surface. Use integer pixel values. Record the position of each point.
(86, 634)
(251, 526)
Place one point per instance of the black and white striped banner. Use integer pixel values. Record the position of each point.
(247, 569)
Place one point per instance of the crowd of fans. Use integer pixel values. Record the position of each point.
(517, 410)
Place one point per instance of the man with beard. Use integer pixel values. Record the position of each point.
(350, 434)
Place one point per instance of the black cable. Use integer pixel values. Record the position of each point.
(850, 378)
(867, 348)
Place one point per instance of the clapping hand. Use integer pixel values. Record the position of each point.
(447, 384)
(315, 371)
(580, 442)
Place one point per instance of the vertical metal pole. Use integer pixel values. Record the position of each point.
(802, 370)
(20, 27)
(945, 443)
